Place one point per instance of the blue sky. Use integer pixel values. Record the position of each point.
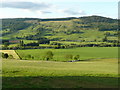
(58, 8)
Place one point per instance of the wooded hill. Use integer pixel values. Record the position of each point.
(91, 28)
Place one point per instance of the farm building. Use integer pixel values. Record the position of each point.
(14, 41)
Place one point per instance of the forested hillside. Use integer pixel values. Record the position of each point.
(72, 29)
(27, 28)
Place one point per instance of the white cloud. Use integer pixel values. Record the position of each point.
(43, 12)
(26, 5)
(73, 12)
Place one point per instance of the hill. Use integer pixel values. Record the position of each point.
(60, 29)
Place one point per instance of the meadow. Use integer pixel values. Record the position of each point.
(85, 53)
(100, 73)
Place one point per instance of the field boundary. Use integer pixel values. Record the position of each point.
(18, 54)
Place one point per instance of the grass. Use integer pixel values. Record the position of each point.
(101, 73)
(11, 52)
(84, 52)
(29, 41)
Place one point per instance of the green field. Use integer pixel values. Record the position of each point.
(101, 73)
(85, 53)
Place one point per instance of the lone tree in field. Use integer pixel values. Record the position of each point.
(76, 57)
(5, 55)
(49, 55)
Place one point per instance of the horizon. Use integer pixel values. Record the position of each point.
(56, 18)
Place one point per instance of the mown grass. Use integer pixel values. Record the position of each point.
(100, 73)
(84, 52)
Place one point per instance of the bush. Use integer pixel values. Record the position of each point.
(68, 56)
(5, 55)
(48, 55)
(11, 57)
(28, 56)
(76, 57)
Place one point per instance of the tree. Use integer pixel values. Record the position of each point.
(44, 41)
(6, 44)
(28, 56)
(2, 55)
(76, 57)
(21, 43)
(105, 39)
(69, 56)
(11, 57)
(32, 44)
(5, 55)
(49, 55)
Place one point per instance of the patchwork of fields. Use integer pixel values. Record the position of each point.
(72, 52)
(98, 68)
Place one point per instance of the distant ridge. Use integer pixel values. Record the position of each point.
(57, 19)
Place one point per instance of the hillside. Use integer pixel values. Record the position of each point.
(59, 29)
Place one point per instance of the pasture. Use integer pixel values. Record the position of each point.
(85, 53)
(101, 73)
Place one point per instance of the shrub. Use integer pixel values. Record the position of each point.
(69, 56)
(11, 57)
(48, 55)
(5, 55)
(28, 56)
(76, 57)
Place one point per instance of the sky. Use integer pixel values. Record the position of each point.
(58, 8)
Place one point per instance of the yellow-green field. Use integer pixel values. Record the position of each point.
(11, 52)
(101, 73)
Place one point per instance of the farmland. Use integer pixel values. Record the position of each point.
(70, 52)
(98, 68)
(59, 54)
(100, 73)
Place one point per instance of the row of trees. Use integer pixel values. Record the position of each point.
(59, 46)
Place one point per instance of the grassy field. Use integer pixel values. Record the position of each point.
(101, 73)
(84, 52)
(11, 52)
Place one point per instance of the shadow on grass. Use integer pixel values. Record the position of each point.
(60, 82)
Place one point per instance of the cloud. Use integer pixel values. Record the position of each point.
(73, 12)
(43, 12)
(32, 6)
